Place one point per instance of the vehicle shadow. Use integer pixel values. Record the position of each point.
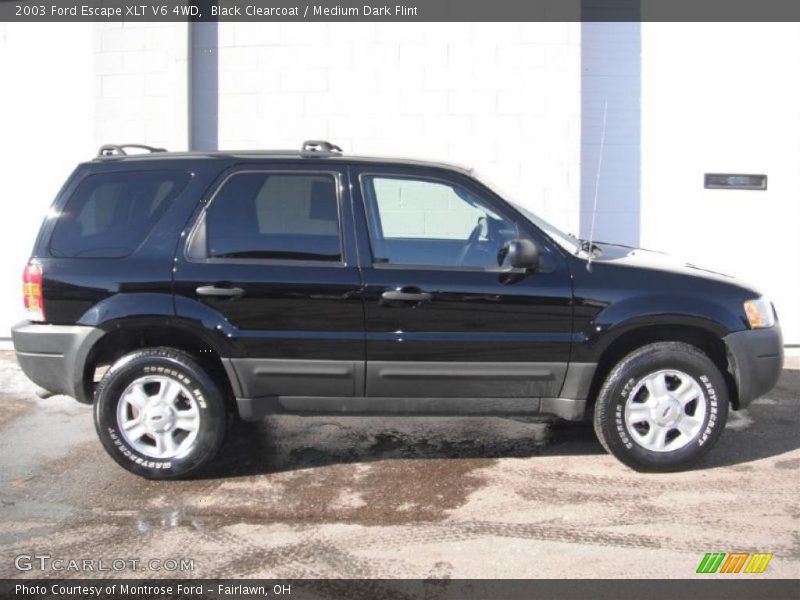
(766, 429)
(288, 443)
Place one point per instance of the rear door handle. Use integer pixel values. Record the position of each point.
(400, 296)
(220, 292)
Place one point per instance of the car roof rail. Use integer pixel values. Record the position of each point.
(107, 150)
(319, 148)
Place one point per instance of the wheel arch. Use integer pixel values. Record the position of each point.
(125, 336)
(703, 338)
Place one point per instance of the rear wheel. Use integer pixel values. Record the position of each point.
(662, 407)
(159, 415)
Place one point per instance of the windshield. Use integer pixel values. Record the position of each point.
(569, 242)
(565, 240)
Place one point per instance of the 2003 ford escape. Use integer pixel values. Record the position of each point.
(314, 282)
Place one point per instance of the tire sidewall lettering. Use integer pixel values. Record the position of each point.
(120, 444)
(710, 396)
(198, 386)
(625, 379)
(619, 414)
(132, 455)
(178, 376)
(713, 409)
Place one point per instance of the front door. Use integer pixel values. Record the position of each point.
(269, 271)
(445, 315)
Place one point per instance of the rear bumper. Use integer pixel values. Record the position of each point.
(54, 356)
(755, 358)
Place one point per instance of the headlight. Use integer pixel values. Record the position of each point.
(759, 313)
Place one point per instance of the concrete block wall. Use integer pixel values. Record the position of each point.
(141, 83)
(69, 87)
(504, 98)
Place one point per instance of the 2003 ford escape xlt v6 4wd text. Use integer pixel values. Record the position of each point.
(201, 285)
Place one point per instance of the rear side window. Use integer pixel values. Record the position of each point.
(110, 214)
(278, 216)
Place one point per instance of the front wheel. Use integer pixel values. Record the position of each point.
(159, 415)
(662, 407)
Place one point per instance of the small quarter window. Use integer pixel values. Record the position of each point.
(110, 214)
(275, 216)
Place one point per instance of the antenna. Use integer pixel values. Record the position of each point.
(597, 184)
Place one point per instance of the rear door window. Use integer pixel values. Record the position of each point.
(275, 216)
(110, 214)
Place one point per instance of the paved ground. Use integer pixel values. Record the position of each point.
(369, 497)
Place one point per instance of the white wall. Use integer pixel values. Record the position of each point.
(140, 84)
(725, 98)
(67, 88)
(504, 97)
(46, 119)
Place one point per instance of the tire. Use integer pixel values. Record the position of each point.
(662, 407)
(173, 414)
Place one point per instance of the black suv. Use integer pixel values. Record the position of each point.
(171, 290)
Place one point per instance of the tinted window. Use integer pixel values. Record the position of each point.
(275, 216)
(110, 214)
(422, 222)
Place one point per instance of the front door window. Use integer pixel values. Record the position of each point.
(428, 223)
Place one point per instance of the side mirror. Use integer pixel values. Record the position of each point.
(523, 254)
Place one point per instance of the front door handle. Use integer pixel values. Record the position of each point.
(401, 296)
(220, 292)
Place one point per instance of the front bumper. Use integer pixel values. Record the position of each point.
(755, 359)
(54, 356)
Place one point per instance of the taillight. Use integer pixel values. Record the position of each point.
(32, 291)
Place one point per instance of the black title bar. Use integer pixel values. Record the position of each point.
(400, 11)
(709, 588)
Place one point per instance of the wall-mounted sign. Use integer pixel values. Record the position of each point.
(735, 181)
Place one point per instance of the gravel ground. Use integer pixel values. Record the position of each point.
(403, 497)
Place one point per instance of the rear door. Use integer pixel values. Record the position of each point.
(445, 316)
(269, 272)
